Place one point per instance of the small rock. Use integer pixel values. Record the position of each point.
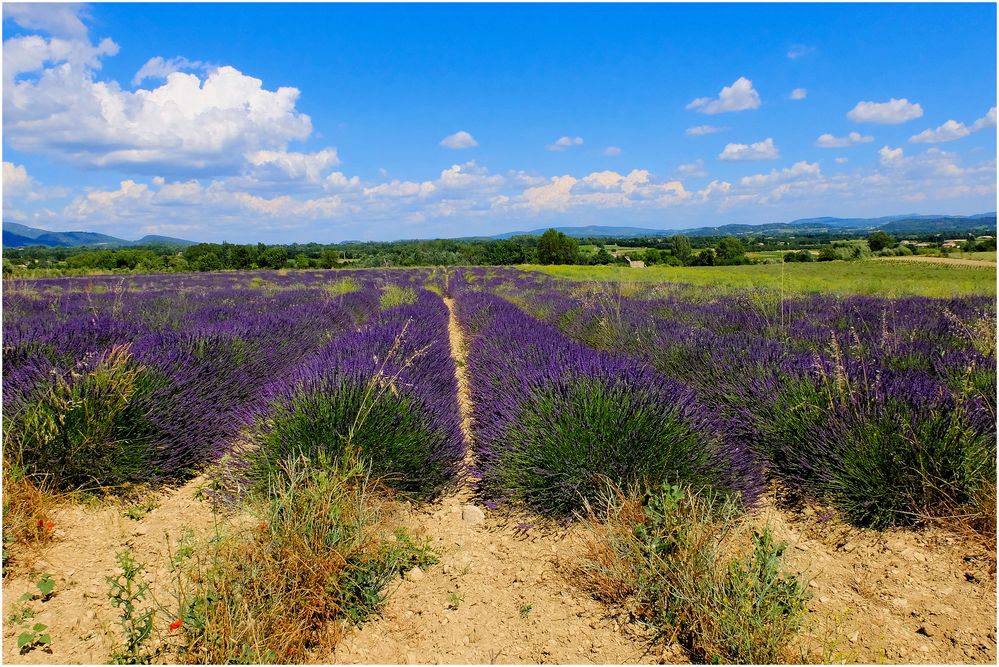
(472, 514)
(926, 630)
(416, 574)
(823, 599)
(141, 530)
(900, 602)
(849, 546)
(854, 636)
(91, 615)
(813, 584)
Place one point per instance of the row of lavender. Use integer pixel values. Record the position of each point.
(555, 420)
(885, 407)
(108, 381)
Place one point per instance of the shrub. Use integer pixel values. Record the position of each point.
(574, 431)
(339, 416)
(553, 418)
(87, 429)
(343, 286)
(386, 393)
(317, 562)
(886, 449)
(669, 551)
(394, 295)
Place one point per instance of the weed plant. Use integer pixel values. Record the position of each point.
(316, 562)
(669, 553)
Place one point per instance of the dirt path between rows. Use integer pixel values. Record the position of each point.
(500, 593)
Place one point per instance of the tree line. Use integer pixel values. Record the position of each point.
(552, 247)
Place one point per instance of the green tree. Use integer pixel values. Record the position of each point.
(273, 258)
(680, 245)
(554, 247)
(704, 258)
(731, 250)
(879, 240)
(208, 261)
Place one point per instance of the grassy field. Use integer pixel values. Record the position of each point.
(864, 277)
(987, 256)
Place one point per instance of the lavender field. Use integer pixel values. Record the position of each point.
(885, 408)
(560, 394)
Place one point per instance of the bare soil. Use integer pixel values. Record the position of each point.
(503, 591)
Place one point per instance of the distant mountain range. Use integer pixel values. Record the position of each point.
(19, 236)
(893, 224)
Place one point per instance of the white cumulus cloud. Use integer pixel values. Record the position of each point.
(695, 168)
(795, 171)
(799, 50)
(701, 130)
(892, 112)
(190, 123)
(799, 94)
(612, 151)
(988, 120)
(308, 167)
(740, 96)
(829, 141)
(890, 155)
(953, 130)
(459, 140)
(159, 68)
(563, 143)
(761, 150)
(61, 20)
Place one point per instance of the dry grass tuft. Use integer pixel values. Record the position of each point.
(27, 516)
(678, 561)
(316, 561)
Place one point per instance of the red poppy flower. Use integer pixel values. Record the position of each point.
(176, 624)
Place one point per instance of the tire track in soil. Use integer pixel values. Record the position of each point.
(500, 593)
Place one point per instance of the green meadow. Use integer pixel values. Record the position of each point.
(892, 279)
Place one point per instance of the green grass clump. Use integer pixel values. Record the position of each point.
(878, 278)
(317, 562)
(671, 552)
(393, 295)
(86, 431)
(343, 286)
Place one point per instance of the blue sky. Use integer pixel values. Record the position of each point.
(325, 122)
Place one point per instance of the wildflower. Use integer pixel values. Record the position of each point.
(176, 624)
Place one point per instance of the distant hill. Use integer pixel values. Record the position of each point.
(19, 236)
(589, 231)
(894, 224)
(16, 235)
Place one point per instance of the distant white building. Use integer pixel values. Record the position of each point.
(635, 263)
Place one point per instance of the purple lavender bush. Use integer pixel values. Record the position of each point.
(554, 420)
(386, 393)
